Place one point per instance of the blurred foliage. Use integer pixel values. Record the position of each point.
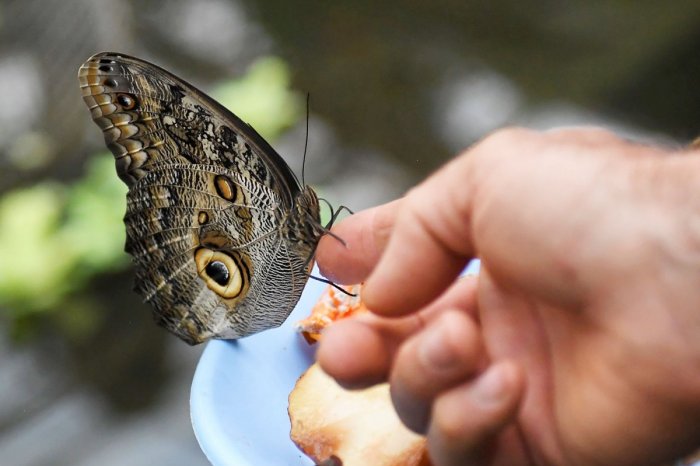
(56, 238)
(53, 237)
(262, 97)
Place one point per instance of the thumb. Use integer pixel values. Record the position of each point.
(429, 243)
(466, 420)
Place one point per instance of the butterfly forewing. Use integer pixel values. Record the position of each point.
(220, 230)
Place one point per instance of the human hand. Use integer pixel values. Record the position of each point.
(578, 343)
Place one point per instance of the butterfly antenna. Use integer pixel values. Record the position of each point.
(306, 140)
(328, 282)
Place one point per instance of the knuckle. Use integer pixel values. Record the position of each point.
(591, 134)
(498, 148)
(507, 138)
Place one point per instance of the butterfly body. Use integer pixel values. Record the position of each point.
(221, 232)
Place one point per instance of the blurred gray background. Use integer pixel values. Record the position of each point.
(397, 88)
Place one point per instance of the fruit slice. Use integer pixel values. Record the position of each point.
(331, 306)
(350, 428)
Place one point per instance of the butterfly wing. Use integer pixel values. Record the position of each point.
(209, 203)
(129, 97)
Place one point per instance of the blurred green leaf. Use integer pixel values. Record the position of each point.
(55, 237)
(93, 227)
(32, 261)
(262, 97)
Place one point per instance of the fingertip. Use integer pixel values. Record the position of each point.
(354, 354)
(489, 399)
(465, 419)
(336, 260)
(341, 256)
(443, 355)
(499, 386)
(357, 242)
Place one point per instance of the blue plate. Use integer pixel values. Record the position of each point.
(238, 402)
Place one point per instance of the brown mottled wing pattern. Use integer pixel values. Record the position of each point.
(220, 230)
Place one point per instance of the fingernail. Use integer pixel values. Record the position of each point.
(434, 350)
(491, 388)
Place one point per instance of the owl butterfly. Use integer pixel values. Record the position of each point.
(221, 231)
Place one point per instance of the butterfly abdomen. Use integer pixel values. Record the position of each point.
(304, 223)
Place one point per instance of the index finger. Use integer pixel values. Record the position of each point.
(365, 235)
(429, 245)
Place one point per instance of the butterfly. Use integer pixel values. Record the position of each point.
(221, 232)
